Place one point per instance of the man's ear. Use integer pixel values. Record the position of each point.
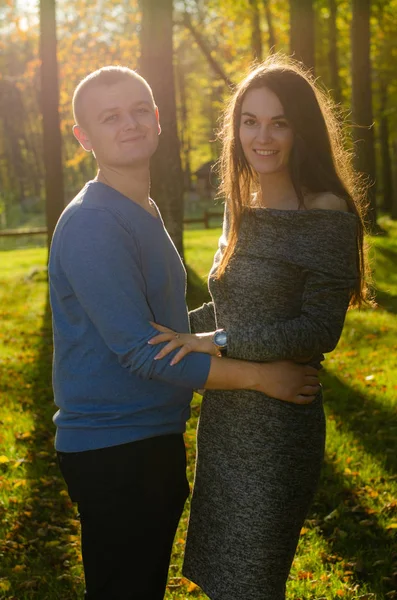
(158, 120)
(82, 137)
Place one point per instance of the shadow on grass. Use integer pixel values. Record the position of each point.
(373, 424)
(44, 536)
(351, 529)
(386, 300)
(354, 537)
(385, 259)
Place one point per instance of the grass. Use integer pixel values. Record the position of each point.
(348, 547)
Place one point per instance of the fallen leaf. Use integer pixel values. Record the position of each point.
(192, 587)
(305, 575)
(4, 585)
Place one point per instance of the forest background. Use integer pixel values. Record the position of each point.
(191, 52)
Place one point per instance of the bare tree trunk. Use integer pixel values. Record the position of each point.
(362, 100)
(256, 33)
(156, 65)
(333, 51)
(52, 140)
(302, 31)
(384, 135)
(270, 28)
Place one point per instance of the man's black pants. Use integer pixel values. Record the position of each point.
(130, 499)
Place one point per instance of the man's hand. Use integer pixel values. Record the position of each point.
(289, 381)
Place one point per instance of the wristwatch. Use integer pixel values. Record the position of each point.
(219, 339)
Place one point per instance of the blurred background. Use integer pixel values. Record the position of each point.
(191, 52)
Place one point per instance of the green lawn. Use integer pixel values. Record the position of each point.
(348, 546)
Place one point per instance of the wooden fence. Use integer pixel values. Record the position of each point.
(205, 219)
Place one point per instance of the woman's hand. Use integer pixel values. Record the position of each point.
(187, 342)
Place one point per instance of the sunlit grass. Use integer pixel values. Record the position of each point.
(348, 545)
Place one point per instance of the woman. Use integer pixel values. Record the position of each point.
(290, 261)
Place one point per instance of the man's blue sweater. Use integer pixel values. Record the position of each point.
(113, 268)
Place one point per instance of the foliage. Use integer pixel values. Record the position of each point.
(348, 544)
(98, 32)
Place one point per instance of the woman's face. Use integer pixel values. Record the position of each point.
(265, 134)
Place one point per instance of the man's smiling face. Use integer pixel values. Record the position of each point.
(119, 123)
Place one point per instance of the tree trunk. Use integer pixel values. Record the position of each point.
(156, 65)
(364, 154)
(52, 141)
(384, 136)
(270, 28)
(184, 128)
(302, 31)
(394, 206)
(256, 34)
(333, 52)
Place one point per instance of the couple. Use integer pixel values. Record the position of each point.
(289, 263)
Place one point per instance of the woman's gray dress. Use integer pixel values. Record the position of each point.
(284, 295)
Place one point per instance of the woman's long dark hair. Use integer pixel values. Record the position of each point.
(319, 160)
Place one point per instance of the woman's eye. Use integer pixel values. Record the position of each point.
(110, 118)
(280, 124)
(142, 110)
(249, 122)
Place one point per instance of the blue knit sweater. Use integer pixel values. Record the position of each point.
(113, 268)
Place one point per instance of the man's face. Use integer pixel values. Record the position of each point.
(120, 124)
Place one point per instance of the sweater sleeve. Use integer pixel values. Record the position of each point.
(315, 331)
(327, 256)
(202, 319)
(102, 264)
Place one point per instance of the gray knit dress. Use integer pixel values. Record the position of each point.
(284, 295)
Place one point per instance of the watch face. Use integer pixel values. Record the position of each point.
(220, 338)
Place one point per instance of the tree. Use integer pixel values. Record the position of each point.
(333, 51)
(256, 33)
(156, 65)
(384, 76)
(206, 50)
(384, 139)
(270, 28)
(364, 148)
(52, 141)
(302, 31)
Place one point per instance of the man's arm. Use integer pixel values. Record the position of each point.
(101, 261)
(284, 380)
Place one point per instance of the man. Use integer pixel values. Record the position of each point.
(114, 270)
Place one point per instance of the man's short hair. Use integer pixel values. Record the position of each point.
(104, 76)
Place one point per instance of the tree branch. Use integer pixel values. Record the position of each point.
(206, 50)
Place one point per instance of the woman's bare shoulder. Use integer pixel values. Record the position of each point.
(326, 201)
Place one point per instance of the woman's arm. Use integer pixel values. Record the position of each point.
(315, 331)
(202, 318)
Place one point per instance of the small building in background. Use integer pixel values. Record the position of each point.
(207, 181)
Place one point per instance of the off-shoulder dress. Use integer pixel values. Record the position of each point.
(284, 295)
